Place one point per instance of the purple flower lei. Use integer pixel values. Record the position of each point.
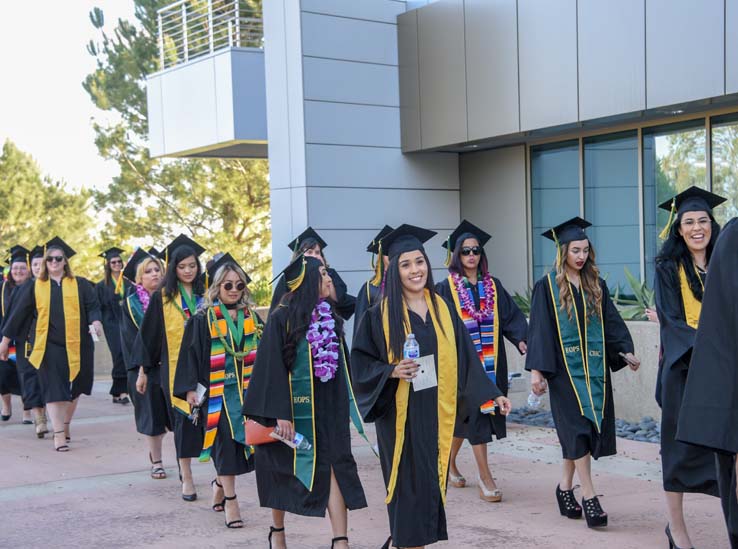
(466, 302)
(321, 336)
(143, 296)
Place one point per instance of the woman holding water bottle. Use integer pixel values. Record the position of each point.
(300, 385)
(414, 401)
(575, 339)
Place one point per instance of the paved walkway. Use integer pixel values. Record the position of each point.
(100, 495)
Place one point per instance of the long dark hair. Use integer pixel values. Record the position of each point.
(675, 249)
(108, 271)
(300, 305)
(396, 303)
(457, 267)
(170, 284)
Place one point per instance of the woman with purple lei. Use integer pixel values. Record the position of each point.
(300, 385)
(488, 312)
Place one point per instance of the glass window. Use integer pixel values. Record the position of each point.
(725, 165)
(673, 159)
(611, 204)
(554, 174)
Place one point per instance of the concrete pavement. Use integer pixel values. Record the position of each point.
(100, 495)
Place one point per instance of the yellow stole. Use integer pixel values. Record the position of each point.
(692, 306)
(174, 325)
(447, 390)
(70, 299)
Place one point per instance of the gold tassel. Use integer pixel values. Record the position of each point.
(295, 283)
(119, 283)
(663, 235)
(378, 267)
(207, 280)
(558, 249)
(28, 261)
(448, 251)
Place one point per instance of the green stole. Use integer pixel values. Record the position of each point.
(587, 373)
(135, 310)
(302, 393)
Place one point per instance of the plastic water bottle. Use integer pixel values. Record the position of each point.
(534, 401)
(301, 443)
(411, 349)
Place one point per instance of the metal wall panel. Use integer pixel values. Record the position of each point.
(442, 73)
(409, 80)
(372, 10)
(350, 82)
(685, 51)
(731, 46)
(249, 100)
(491, 67)
(349, 39)
(547, 33)
(346, 124)
(157, 146)
(612, 60)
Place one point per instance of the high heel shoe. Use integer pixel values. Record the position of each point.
(272, 529)
(238, 523)
(493, 496)
(41, 427)
(457, 481)
(186, 497)
(67, 432)
(339, 538)
(568, 506)
(61, 447)
(672, 545)
(596, 517)
(220, 506)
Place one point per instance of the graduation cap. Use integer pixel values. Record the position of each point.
(110, 253)
(693, 199)
(375, 247)
(57, 242)
(294, 273)
(376, 243)
(153, 251)
(37, 251)
(464, 228)
(181, 240)
(406, 238)
(129, 271)
(304, 235)
(19, 254)
(224, 259)
(566, 232)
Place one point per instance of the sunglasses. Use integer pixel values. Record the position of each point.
(229, 286)
(469, 250)
(55, 258)
(116, 262)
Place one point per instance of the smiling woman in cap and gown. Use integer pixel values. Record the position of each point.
(159, 341)
(681, 267)
(57, 309)
(415, 427)
(309, 243)
(488, 313)
(569, 302)
(301, 384)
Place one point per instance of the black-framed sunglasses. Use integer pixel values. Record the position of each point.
(116, 262)
(240, 286)
(469, 250)
(55, 258)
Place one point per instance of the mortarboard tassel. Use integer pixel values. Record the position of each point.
(119, 285)
(448, 251)
(207, 280)
(378, 267)
(295, 283)
(558, 250)
(663, 235)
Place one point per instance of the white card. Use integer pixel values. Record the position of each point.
(93, 333)
(426, 374)
(201, 390)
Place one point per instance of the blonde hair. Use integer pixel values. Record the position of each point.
(589, 280)
(212, 294)
(44, 274)
(141, 267)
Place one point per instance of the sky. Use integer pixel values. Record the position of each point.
(43, 108)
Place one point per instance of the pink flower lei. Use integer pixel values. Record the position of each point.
(143, 296)
(321, 336)
(467, 303)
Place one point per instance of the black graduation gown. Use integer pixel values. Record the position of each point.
(475, 426)
(345, 303)
(54, 370)
(268, 399)
(110, 308)
(709, 412)
(685, 468)
(30, 384)
(577, 435)
(150, 351)
(150, 408)
(9, 381)
(193, 367)
(416, 512)
(368, 296)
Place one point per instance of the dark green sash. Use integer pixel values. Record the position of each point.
(588, 375)
(135, 309)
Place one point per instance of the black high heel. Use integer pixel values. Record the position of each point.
(186, 497)
(218, 507)
(672, 545)
(67, 436)
(339, 538)
(568, 506)
(238, 523)
(596, 517)
(272, 529)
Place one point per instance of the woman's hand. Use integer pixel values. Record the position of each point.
(633, 361)
(98, 327)
(504, 405)
(405, 369)
(141, 381)
(652, 315)
(537, 382)
(4, 348)
(192, 399)
(285, 429)
(523, 347)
